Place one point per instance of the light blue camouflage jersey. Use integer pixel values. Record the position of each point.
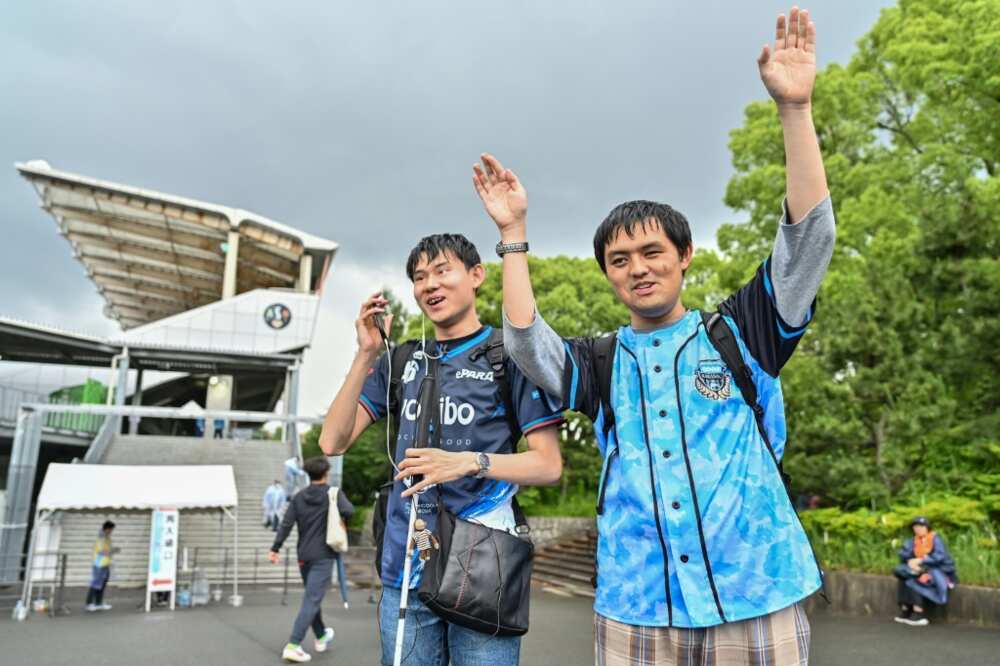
(695, 525)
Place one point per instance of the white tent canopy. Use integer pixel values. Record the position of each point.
(136, 488)
(131, 487)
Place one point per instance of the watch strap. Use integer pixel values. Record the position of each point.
(505, 248)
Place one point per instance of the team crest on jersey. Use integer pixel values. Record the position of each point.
(409, 371)
(712, 379)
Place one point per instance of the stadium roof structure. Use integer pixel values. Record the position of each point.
(152, 255)
(33, 343)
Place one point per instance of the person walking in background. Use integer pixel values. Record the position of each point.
(273, 503)
(308, 512)
(926, 574)
(100, 569)
(294, 476)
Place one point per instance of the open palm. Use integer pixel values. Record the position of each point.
(501, 192)
(790, 71)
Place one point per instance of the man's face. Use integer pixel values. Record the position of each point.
(646, 270)
(444, 288)
(920, 530)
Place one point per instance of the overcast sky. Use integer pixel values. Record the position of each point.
(360, 121)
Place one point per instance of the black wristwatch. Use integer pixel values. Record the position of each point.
(484, 465)
(504, 248)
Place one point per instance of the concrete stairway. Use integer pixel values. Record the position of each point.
(567, 565)
(256, 464)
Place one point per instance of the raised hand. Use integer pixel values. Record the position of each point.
(790, 71)
(369, 339)
(502, 194)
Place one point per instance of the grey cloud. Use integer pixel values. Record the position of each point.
(360, 121)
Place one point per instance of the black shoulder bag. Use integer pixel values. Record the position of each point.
(480, 578)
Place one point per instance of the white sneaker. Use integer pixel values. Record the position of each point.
(104, 607)
(346, 605)
(323, 643)
(295, 653)
(90, 608)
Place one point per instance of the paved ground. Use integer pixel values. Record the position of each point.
(560, 634)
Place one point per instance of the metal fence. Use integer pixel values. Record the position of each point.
(12, 398)
(48, 590)
(48, 585)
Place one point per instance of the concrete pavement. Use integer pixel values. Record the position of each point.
(560, 634)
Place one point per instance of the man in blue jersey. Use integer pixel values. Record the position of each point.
(473, 470)
(701, 558)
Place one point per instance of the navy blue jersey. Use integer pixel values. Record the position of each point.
(472, 418)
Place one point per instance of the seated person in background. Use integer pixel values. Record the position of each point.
(926, 573)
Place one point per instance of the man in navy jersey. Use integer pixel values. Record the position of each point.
(472, 468)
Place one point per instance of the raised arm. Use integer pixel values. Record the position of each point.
(536, 348)
(345, 419)
(788, 73)
(506, 201)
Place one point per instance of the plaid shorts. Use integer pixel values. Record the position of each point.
(778, 639)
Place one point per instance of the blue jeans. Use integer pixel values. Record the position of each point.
(341, 577)
(316, 575)
(430, 641)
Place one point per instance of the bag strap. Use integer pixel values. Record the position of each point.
(496, 354)
(331, 495)
(400, 355)
(724, 341)
(722, 338)
(604, 361)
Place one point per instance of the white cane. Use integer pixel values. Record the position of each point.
(426, 422)
(404, 593)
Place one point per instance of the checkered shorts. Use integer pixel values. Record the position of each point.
(778, 639)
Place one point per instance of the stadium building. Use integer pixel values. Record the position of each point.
(216, 307)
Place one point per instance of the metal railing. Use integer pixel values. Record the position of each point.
(27, 441)
(48, 585)
(12, 398)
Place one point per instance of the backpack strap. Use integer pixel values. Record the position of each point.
(604, 361)
(497, 357)
(722, 338)
(399, 357)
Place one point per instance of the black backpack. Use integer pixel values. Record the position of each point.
(495, 353)
(724, 341)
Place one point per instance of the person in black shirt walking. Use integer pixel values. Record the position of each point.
(308, 511)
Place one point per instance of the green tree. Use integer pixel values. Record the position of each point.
(571, 291)
(894, 389)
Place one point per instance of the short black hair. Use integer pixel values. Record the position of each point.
(627, 215)
(438, 244)
(316, 467)
(108, 525)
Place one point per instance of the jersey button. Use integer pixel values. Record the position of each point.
(656, 343)
(657, 368)
(663, 413)
(666, 454)
(684, 558)
(676, 505)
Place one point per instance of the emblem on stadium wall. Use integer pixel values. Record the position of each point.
(712, 380)
(277, 316)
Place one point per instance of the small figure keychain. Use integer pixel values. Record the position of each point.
(423, 540)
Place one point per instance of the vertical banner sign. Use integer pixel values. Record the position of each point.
(162, 576)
